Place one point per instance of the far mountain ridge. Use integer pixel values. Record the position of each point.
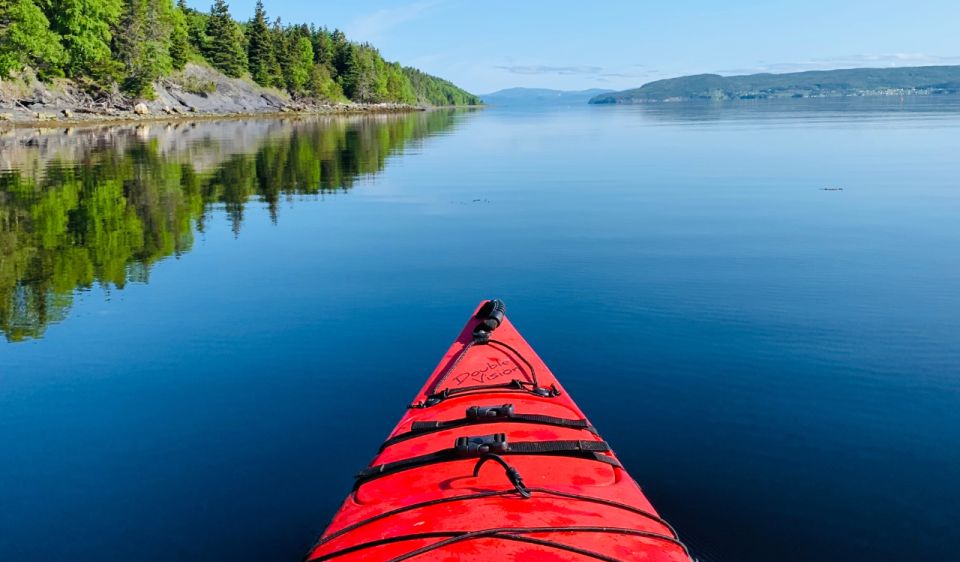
(919, 80)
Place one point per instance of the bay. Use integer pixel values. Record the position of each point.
(209, 327)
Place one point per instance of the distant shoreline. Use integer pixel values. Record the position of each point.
(762, 97)
(853, 82)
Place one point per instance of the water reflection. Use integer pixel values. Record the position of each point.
(100, 206)
(807, 110)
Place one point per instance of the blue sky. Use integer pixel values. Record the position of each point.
(488, 45)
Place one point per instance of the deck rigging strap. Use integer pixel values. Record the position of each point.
(516, 385)
(492, 494)
(506, 533)
(482, 415)
(472, 447)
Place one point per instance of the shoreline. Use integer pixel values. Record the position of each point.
(197, 92)
(20, 119)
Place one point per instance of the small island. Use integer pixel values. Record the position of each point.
(921, 80)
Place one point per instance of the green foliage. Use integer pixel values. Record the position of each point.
(399, 87)
(85, 30)
(261, 59)
(25, 38)
(143, 44)
(226, 45)
(196, 27)
(357, 76)
(283, 55)
(342, 50)
(323, 49)
(369, 78)
(300, 66)
(322, 86)
(195, 85)
(180, 49)
(431, 90)
(136, 42)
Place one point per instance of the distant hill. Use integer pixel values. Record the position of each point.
(541, 96)
(920, 80)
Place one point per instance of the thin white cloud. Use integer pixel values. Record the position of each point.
(547, 69)
(373, 26)
(625, 74)
(598, 72)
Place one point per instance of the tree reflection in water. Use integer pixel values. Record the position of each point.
(100, 206)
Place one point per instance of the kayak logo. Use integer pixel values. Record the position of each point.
(494, 369)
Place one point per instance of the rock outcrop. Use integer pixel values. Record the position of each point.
(196, 90)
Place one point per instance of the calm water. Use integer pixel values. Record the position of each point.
(210, 328)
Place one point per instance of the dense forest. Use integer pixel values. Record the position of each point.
(130, 44)
(105, 215)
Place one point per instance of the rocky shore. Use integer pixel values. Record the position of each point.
(197, 92)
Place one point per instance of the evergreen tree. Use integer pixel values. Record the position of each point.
(85, 27)
(196, 27)
(25, 38)
(136, 42)
(323, 48)
(179, 37)
(261, 59)
(284, 54)
(340, 52)
(142, 44)
(226, 48)
(357, 78)
(435, 91)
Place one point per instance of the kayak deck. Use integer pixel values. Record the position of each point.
(494, 461)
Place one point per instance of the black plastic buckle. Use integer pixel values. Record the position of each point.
(480, 444)
(546, 392)
(477, 412)
(437, 398)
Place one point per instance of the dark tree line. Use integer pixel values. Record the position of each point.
(133, 43)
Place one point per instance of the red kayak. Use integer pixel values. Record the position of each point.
(494, 461)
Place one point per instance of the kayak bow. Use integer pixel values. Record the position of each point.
(494, 461)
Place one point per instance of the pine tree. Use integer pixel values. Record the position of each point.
(323, 48)
(284, 54)
(142, 44)
(180, 50)
(196, 27)
(359, 76)
(261, 59)
(226, 49)
(25, 38)
(128, 44)
(340, 51)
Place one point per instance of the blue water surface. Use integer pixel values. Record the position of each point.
(777, 364)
